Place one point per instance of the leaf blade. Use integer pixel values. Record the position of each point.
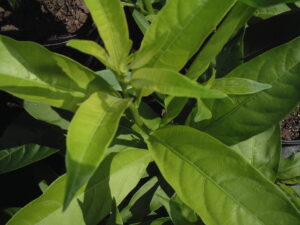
(180, 22)
(187, 158)
(18, 157)
(47, 209)
(110, 19)
(172, 83)
(99, 115)
(250, 115)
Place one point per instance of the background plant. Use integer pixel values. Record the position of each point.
(211, 155)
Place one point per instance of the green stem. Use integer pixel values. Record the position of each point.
(139, 122)
(128, 4)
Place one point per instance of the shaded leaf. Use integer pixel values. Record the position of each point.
(18, 157)
(117, 175)
(45, 113)
(137, 205)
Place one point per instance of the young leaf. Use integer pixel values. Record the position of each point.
(117, 175)
(171, 83)
(29, 71)
(90, 133)
(289, 170)
(110, 78)
(18, 157)
(203, 171)
(203, 113)
(265, 3)
(245, 116)
(91, 48)
(140, 20)
(45, 113)
(263, 151)
(110, 19)
(238, 86)
(186, 27)
(235, 19)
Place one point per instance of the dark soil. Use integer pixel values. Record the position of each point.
(290, 126)
(40, 20)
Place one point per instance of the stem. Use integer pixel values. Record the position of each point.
(144, 131)
(128, 4)
(139, 122)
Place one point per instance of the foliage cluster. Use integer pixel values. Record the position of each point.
(210, 156)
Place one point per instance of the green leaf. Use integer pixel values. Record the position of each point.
(289, 170)
(203, 113)
(29, 71)
(140, 20)
(115, 217)
(143, 56)
(238, 86)
(242, 117)
(45, 113)
(265, 3)
(173, 108)
(110, 78)
(137, 199)
(117, 175)
(83, 76)
(18, 157)
(149, 117)
(236, 18)
(216, 182)
(186, 27)
(271, 11)
(232, 54)
(290, 192)
(171, 83)
(110, 19)
(263, 151)
(179, 213)
(90, 133)
(160, 221)
(91, 48)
